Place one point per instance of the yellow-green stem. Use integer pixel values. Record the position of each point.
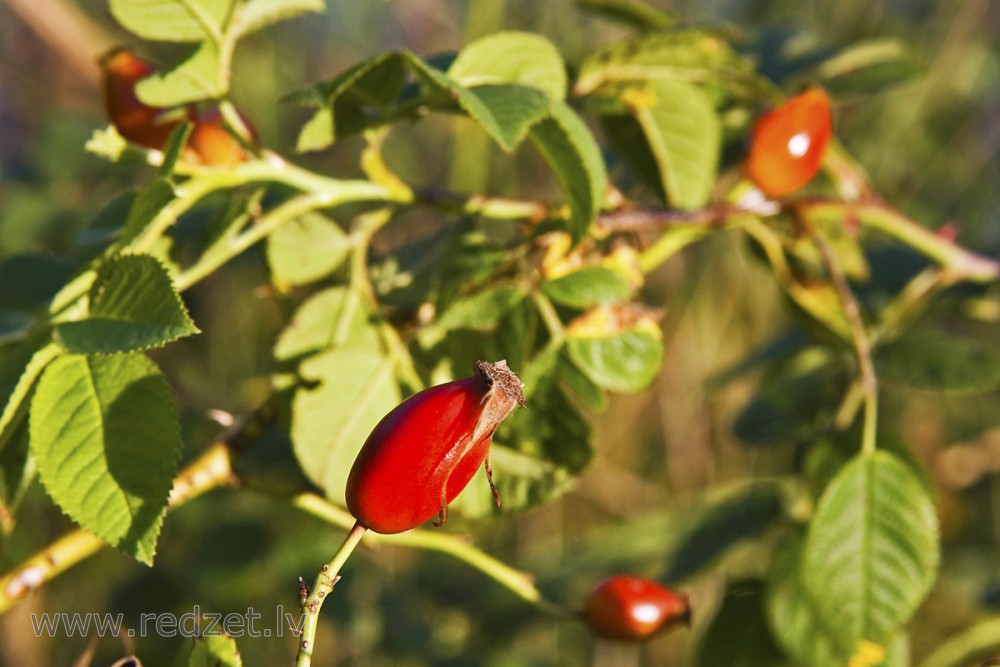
(519, 583)
(210, 470)
(325, 581)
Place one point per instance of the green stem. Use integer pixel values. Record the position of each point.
(519, 583)
(210, 261)
(549, 315)
(210, 470)
(272, 169)
(862, 344)
(962, 263)
(235, 122)
(325, 581)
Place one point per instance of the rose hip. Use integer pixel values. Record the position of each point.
(633, 608)
(425, 451)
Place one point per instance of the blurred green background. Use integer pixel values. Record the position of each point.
(931, 148)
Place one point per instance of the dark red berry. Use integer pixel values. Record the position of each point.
(425, 451)
(633, 608)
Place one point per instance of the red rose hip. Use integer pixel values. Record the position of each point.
(425, 451)
(145, 125)
(633, 608)
(789, 143)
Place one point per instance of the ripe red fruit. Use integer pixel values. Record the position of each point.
(789, 143)
(425, 451)
(211, 144)
(145, 125)
(633, 608)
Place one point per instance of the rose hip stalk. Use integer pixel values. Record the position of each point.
(416, 461)
(423, 453)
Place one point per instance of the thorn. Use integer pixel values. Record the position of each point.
(489, 477)
(303, 591)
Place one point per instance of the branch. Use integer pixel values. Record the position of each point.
(209, 471)
(860, 339)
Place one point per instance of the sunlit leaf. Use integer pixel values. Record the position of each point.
(872, 551)
(106, 440)
(258, 14)
(173, 20)
(351, 388)
(306, 249)
(133, 306)
(522, 58)
(684, 136)
(569, 147)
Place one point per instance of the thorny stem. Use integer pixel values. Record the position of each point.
(961, 263)
(325, 581)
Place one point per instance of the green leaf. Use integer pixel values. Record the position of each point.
(307, 249)
(504, 112)
(359, 97)
(692, 55)
(571, 152)
(353, 389)
(589, 286)
(508, 112)
(327, 319)
(684, 136)
(173, 20)
(935, 361)
(106, 441)
(866, 68)
(481, 311)
(133, 306)
(630, 12)
(972, 646)
(200, 77)
(571, 377)
(172, 151)
(792, 615)
(15, 402)
(739, 636)
(258, 14)
(872, 551)
(521, 58)
(624, 362)
(216, 650)
(742, 515)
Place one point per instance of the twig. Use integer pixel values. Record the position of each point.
(325, 581)
(861, 341)
(210, 470)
